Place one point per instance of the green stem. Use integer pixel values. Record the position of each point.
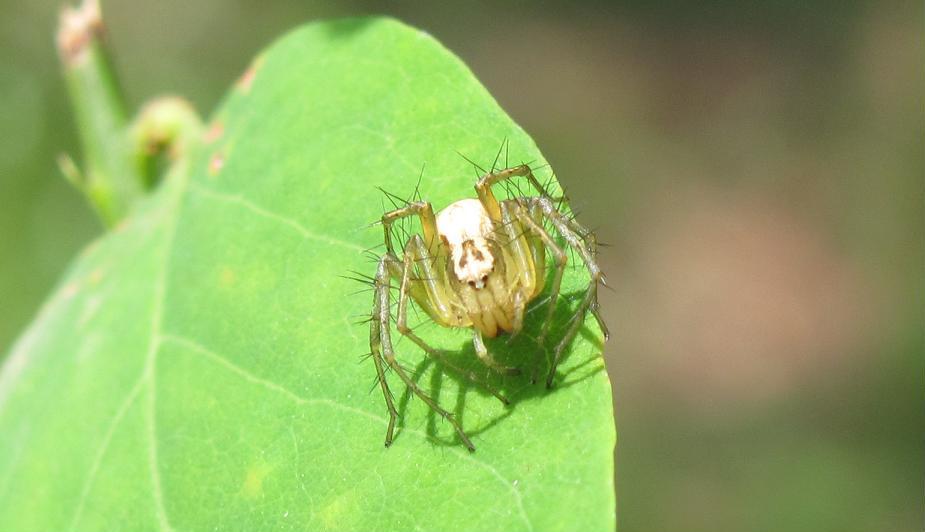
(110, 180)
(121, 160)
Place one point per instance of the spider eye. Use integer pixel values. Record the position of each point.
(472, 284)
(484, 279)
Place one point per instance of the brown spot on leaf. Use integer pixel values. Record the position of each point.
(216, 162)
(246, 80)
(215, 131)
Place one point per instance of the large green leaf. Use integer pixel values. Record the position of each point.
(199, 368)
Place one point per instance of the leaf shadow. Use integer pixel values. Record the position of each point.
(524, 352)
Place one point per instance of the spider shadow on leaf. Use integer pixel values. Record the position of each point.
(522, 351)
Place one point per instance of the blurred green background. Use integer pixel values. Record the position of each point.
(757, 168)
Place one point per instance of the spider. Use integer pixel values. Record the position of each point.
(477, 265)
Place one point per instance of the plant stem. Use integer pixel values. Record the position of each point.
(110, 180)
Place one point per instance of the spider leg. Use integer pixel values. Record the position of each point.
(376, 335)
(572, 232)
(590, 240)
(489, 360)
(518, 320)
(381, 347)
(525, 261)
(561, 259)
(416, 252)
(425, 212)
(487, 197)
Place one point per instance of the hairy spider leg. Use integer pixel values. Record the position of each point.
(381, 346)
(428, 288)
(560, 258)
(431, 290)
(416, 254)
(487, 197)
(422, 210)
(421, 280)
(526, 259)
(433, 293)
(479, 343)
(576, 235)
(520, 307)
(590, 240)
(531, 220)
(573, 237)
(375, 345)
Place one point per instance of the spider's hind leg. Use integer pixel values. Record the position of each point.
(379, 336)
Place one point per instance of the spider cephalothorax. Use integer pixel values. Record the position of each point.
(467, 232)
(478, 263)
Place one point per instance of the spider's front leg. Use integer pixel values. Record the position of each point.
(380, 343)
(487, 197)
(422, 210)
(429, 291)
(527, 215)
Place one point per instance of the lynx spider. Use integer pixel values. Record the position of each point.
(477, 265)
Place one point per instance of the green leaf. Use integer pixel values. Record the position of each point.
(199, 368)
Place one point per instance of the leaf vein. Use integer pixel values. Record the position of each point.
(265, 213)
(104, 447)
(298, 399)
(150, 370)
